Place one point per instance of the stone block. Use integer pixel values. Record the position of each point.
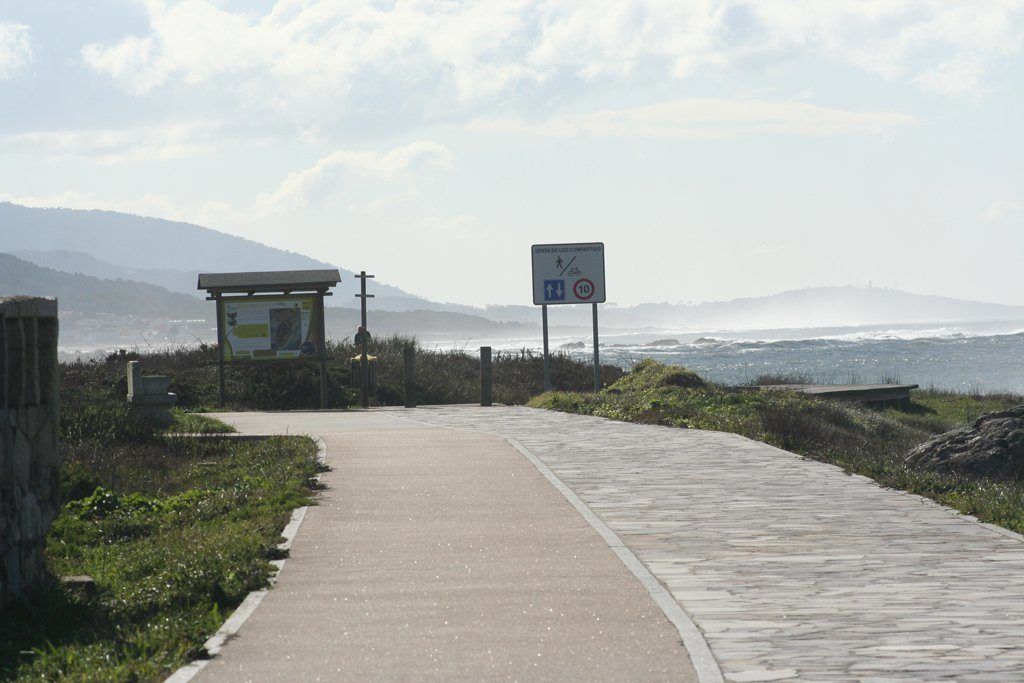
(49, 374)
(31, 523)
(21, 458)
(157, 414)
(12, 563)
(148, 396)
(30, 332)
(28, 307)
(29, 456)
(15, 354)
(83, 585)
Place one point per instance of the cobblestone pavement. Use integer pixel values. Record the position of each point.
(792, 569)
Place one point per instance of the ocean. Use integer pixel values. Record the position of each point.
(985, 356)
(969, 357)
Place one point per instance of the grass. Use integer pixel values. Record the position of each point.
(443, 376)
(174, 531)
(858, 439)
(196, 423)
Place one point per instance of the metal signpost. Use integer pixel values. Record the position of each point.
(271, 316)
(568, 274)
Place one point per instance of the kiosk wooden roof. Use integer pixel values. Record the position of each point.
(283, 281)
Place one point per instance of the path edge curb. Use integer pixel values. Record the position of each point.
(245, 609)
(703, 661)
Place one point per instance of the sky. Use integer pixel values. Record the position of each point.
(719, 149)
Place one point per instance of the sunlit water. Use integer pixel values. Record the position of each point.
(994, 363)
(984, 356)
(962, 358)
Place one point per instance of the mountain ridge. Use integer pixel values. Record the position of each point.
(164, 254)
(142, 244)
(88, 295)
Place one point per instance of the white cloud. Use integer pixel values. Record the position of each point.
(1005, 211)
(326, 176)
(319, 182)
(705, 119)
(145, 205)
(114, 146)
(440, 55)
(129, 61)
(462, 226)
(956, 77)
(15, 49)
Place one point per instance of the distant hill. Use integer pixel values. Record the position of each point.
(801, 308)
(828, 306)
(138, 242)
(80, 262)
(87, 295)
(161, 252)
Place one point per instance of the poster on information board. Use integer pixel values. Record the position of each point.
(269, 327)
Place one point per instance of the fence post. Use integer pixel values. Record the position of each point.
(409, 356)
(485, 376)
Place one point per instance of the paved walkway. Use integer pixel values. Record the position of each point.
(791, 568)
(437, 554)
(444, 554)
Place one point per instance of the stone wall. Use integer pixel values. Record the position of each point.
(29, 460)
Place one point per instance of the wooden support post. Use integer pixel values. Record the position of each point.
(364, 363)
(486, 394)
(409, 356)
(220, 353)
(322, 333)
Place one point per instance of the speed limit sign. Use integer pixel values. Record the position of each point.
(583, 289)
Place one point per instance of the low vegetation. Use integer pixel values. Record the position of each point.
(860, 440)
(442, 376)
(174, 531)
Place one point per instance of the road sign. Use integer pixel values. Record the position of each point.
(568, 273)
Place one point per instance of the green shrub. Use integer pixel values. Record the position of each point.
(443, 376)
(97, 419)
(650, 374)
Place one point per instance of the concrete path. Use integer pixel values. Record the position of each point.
(437, 554)
(791, 568)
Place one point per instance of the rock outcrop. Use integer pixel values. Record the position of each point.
(992, 447)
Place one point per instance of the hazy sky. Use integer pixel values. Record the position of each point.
(718, 148)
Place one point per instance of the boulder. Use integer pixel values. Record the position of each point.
(992, 447)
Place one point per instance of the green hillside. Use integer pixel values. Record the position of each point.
(92, 296)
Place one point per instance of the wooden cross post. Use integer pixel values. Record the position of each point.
(364, 366)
